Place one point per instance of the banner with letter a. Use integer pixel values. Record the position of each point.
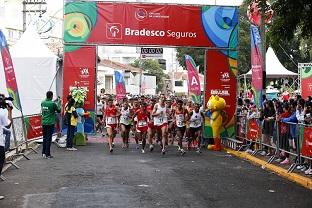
(193, 79)
(256, 64)
(9, 73)
(120, 85)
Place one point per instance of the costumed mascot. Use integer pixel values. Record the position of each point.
(217, 117)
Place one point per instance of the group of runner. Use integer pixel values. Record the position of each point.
(152, 120)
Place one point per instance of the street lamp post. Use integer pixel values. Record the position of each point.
(34, 3)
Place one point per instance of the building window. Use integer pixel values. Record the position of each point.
(178, 83)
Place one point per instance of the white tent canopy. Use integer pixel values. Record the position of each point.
(274, 68)
(35, 67)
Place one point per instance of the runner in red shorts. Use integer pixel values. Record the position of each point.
(151, 128)
(142, 124)
(111, 116)
(161, 121)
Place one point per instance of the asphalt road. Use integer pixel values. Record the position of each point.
(92, 177)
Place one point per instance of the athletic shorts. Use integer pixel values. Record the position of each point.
(151, 125)
(181, 129)
(99, 116)
(128, 127)
(194, 130)
(142, 129)
(161, 126)
(113, 126)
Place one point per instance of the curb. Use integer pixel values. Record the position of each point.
(301, 180)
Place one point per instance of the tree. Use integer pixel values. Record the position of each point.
(198, 54)
(152, 67)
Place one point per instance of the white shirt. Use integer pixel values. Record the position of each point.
(196, 120)
(4, 117)
(99, 107)
(2, 142)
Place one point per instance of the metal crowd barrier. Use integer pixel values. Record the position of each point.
(19, 141)
(249, 132)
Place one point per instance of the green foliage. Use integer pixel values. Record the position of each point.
(198, 54)
(79, 95)
(152, 67)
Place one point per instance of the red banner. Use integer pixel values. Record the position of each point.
(306, 79)
(253, 130)
(33, 127)
(150, 24)
(9, 73)
(256, 64)
(220, 75)
(306, 148)
(79, 70)
(193, 79)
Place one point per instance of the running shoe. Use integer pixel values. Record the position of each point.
(308, 172)
(182, 152)
(50, 157)
(143, 151)
(278, 160)
(113, 144)
(151, 148)
(198, 150)
(299, 167)
(285, 162)
(1, 197)
(179, 149)
(248, 151)
(137, 146)
(44, 156)
(163, 151)
(111, 150)
(263, 153)
(304, 168)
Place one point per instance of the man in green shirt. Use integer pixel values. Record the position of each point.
(48, 110)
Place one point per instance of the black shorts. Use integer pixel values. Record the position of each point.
(181, 129)
(128, 127)
(99, 116)
(194, 130)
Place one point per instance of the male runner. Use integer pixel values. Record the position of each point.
(125, 122)
(196, 119)
(111, 115)
(151, 127)
(181, 116)
(142, 124)
(161, 121)
(135, 108)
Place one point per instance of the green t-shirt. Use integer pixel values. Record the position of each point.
(48, 110)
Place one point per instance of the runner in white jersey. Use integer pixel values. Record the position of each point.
(161, 121)
(196, 119)
(180, 117)
(125, 122)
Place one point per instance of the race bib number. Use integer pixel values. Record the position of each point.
(125, 119)
(196, 123)
(180, 120)
(142, 123)
(159, 121)
(111, 120)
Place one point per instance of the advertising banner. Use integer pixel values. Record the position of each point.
(221, 72)
(150, 24)
(306, 148)
(120, 85)
(9, 73)
(256, 64)
(193, 79)
(33, 127)
(305, 70)
(79, 70)
(253, 131)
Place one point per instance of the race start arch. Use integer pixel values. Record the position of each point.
(90, 23)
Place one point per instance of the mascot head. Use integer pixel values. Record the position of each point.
(216, 103)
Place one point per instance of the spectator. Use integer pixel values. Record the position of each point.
(72, 123)
(48, 110)
(2, 152)
(6, 120)
(268, 117)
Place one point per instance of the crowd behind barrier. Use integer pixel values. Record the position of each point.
(298, 149)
